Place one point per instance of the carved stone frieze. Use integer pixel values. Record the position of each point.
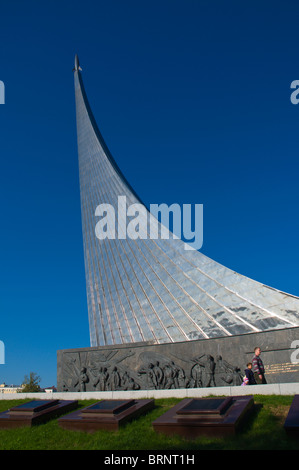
(190, 364)
(132, 370)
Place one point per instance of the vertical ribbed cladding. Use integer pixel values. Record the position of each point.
(155, 290)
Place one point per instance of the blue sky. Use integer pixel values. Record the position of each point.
(193, 100)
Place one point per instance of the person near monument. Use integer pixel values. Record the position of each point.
(249, 376)
(258, 367)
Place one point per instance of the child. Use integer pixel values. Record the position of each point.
(249, 377)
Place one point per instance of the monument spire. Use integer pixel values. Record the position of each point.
(156, 290)
(77, 65)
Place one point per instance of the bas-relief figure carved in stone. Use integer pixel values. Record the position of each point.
(115, 370)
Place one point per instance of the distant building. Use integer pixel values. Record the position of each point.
(50, 389)
(10, 388)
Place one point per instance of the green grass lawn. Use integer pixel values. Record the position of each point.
(263, 430)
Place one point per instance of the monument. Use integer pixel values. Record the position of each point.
(105, 414)
(35, 412)
(155, 300)
(217, 417)
(291, 424)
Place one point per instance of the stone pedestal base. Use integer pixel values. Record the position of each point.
(192, 364)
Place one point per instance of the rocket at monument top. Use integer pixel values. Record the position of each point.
(77, 64)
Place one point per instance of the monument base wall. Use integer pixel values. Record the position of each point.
(205, 363)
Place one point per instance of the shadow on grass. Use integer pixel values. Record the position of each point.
(250, 418)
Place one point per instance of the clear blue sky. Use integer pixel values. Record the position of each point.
(193, 100)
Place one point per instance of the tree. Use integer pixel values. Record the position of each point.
(31, 383)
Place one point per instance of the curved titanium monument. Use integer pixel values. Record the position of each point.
(162, 316)
(154, 289)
